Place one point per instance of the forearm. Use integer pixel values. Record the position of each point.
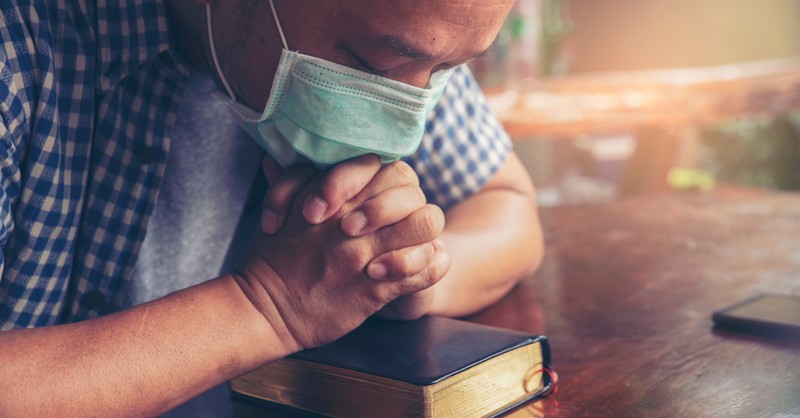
(494, 239)
(139, 362)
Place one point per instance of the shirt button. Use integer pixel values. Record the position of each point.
(147, 155)
(94, 300)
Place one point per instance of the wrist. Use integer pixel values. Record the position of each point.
(251, 279)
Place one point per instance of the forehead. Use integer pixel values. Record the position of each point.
(453, 11)
(440, 26)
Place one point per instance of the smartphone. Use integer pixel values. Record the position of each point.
(768, 315)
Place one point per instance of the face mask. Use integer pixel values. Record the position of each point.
(323, 112)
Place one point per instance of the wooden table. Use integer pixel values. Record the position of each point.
(625, 295)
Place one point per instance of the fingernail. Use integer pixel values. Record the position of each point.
(353, 223)
(438, 244)
(314, 209)
(377, 271)
(269, 222)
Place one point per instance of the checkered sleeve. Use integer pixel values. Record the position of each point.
(9, 170)
(12, 127)
(464, 144)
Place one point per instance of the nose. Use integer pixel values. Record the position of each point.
(418, 77)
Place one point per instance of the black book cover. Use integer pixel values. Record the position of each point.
(420, 352)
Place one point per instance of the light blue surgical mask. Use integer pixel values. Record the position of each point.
(323, 112)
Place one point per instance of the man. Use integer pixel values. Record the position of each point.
(95, 152)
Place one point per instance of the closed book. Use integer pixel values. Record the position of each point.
(430, 367)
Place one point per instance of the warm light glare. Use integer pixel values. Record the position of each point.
(645, 34)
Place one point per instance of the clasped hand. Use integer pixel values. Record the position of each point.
(339, 245)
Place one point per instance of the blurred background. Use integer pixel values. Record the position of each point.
(608, 98)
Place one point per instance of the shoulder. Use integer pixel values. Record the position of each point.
(464, 143)
(463, 113)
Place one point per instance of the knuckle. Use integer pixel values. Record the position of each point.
(356, 252)
(403, 173)
(366, 160)
(402, 264)
(280, 194)
(334, 187)
(424, 226)
(377, 209)
(429, 222)
(422, 256)
(275, 197)
(411, 262)
(428, 252)
(346, 179)
(268, 202)
(429, 276)
(433, 272)
(413, 284)
(396, 205)
(386, 292)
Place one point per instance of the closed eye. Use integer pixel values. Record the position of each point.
(362, 64)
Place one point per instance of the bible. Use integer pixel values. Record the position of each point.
(430, 367)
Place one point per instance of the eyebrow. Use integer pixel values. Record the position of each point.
(402, 48)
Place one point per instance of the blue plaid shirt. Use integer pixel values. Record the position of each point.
(88, 93)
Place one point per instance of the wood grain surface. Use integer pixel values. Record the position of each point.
(626, 293)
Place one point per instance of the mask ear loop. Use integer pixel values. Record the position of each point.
(214, 54)
(278, 23)
(214, 49)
